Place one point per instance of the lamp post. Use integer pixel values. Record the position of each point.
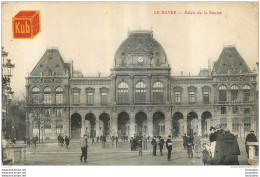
(7, 72)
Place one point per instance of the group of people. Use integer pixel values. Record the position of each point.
(160, 142)
(31, 141)
(63, 141)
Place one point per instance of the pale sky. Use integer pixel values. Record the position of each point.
(90, 33)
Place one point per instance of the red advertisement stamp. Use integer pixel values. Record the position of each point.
(26, 24)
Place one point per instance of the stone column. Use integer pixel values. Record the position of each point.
(168, 124)
(150, 124)
(131, 90)
(149, 89)
(132, 124)
(31, 128)
(97, 128)
(185, 123)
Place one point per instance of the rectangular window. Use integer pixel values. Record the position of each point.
(140, 96)
(246, 95)
(223, 123)
(59, 98)
(177, 96)
(47, 127)
(235, 125)
(234, 109)
(191, 97)
(76, 98)
(247, 124)
(47, 98)
(158, 96)
(205, 97)
(90, 98)
(36, 98)
(59, 127)
(247, 110)
(222, 95)
(123, 96)
(234, 96)
(103, 98)
(223, 110)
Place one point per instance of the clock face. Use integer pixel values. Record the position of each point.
(140, 59)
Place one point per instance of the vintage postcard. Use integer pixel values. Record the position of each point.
(129, 83)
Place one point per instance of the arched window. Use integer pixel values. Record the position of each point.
(123, 97)
(59, 95)
(246, 93)
(35, 95)
(222, 93)
(47, 95)
(234, 94)
(158, 92)
(140, 92)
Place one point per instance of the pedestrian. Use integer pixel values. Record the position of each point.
(154, 144)
(197, 145)
(161, 143)
(140, 148)
(205, 154)
(97, 139)
(84, 148)
(93, 141)
(145, 141)
(250, 138)
(148, 138)
(169, 147)
(132, 143)
(36, 137)
(189, 141)
(184, 141)
(28, 141)
(116, 140)
(104, 141)
(34, 142)
(67, 141)
(61, 141)
(14, 140)
(59, 137)
(212, 140)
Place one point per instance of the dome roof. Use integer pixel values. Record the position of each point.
(141, 43)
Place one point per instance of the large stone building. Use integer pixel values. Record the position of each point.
(140, 96)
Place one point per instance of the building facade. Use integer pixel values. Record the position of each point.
(140, 96)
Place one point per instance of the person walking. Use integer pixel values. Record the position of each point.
(154, 144)
(34, 140)
(67, 141)
(97, 139)
(189, 141)
(161, 143)
(116, 140)
(104, 141)
(140, 148)
(184, 141)
(132, 143)
(250, 138)
(84, 148)
(169, 147)
(93, 140)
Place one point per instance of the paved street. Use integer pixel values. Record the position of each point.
(52, 154)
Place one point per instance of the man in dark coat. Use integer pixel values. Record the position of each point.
(161, 143)
(84, 148)
(189, 141)
(169, 147)
(67, 141)
(184, 141)
(154, 144)
(227, 149)
(250, 138)
(116, 140)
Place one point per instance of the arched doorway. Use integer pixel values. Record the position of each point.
(104, 124)
(75, 125)
(141, 124)
(206, 122)
(123, 124)
(192, 123)
(177, 124)
(90, 123)
(158, 124)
